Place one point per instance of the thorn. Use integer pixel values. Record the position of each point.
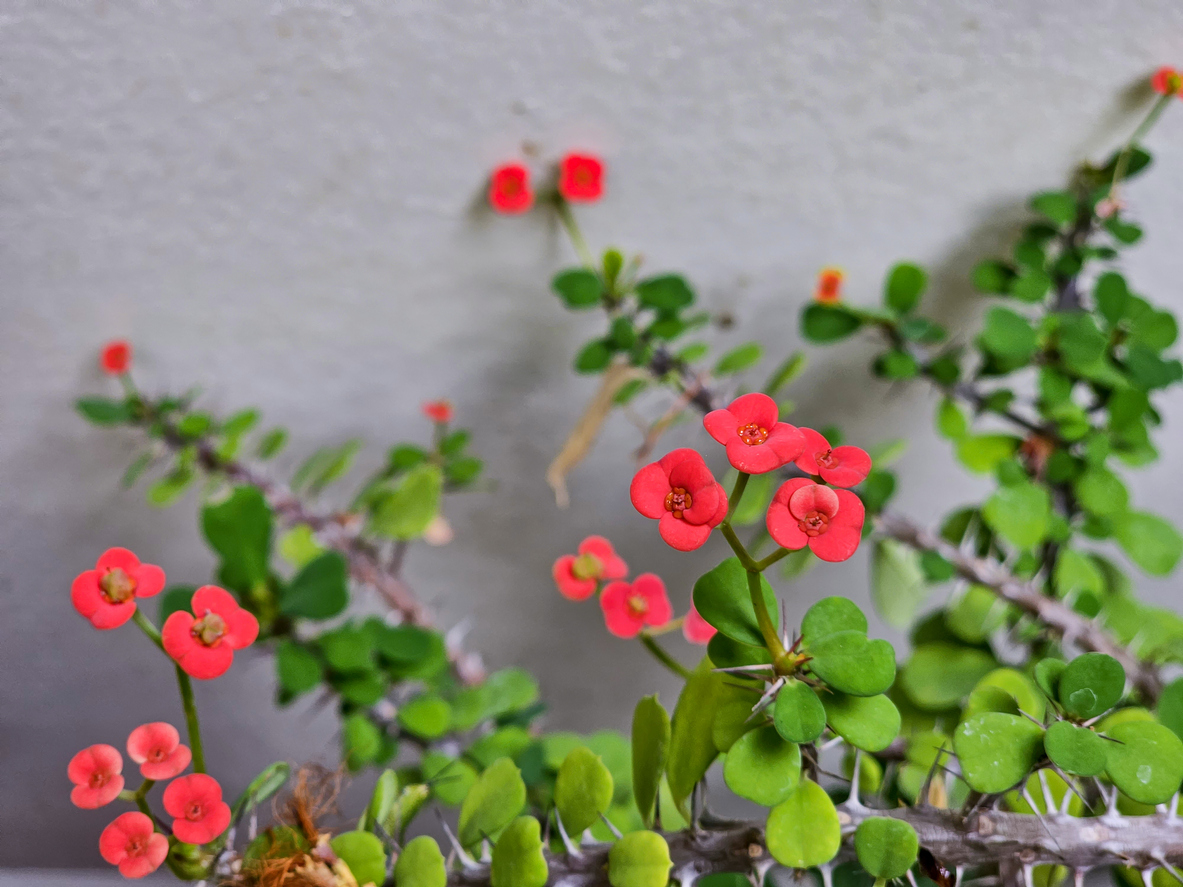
(695, 800)
(922, 798)
(829, 744)
(546, 830)
(486, 851)
(912, 879)
(1030, 801)
(465, 859)
(958, 875)
(827, 875)
(657, 812)
(1049, 799)
(1173, 810)
(743, 669)
(572, 849)
(615, 831)
(769, 696)
(1078, 876)
(1170, 868)
(1027, 875)
(1148, 876)
(252, 830)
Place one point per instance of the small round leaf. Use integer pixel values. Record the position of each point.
(1145, 761)
(804, 830)
(1076, 750)
(866, 722)
(583, 790)
(763, 767)
(639, 859)
(518, 860)
(798, 714)
(851, 663)
(1091, 685)
(1047, 675)
(886, 848)
(830, 615)
(364, 854)
(421, 864)
(493, 802)
(997, 750)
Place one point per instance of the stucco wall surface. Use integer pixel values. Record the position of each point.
(275, 201)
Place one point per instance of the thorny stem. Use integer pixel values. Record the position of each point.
(186, 687)
(662, 655)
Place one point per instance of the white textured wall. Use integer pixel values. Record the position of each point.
(275, 200)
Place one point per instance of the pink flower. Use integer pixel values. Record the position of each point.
(756, 442)
(829, 521)
(115, 359)
(629, 607)
(96, 774)
(840, 466)
(679, 491)
(578, 575)
(696, 629)
(132, 843)
(157, 748)
(438, 411)
(509, 189)
(204, 646)
(581, 177)
(1167, 81)
(196, 805)
(107, 594)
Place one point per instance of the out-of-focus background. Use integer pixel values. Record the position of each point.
(279, 201)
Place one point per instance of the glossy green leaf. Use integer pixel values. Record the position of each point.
(798, 714)
(692, 746)
(739, 359)
(427, 716)
(421, 864)
(1019, 514)
(1145, 761)
(790, 368)
(450, 778)
(866, 722)
(851, 663)
(325, 466)
(991, 276)
(578, 287)
(650, 747)
(298, 546)
(298, 668)
(1059, 206)
(1150, 541)
(939, 675)
(1170, 706)
(593, 357)
(261, 788)
(828, 323)
(829, 616)
(404, 510)
(905, 284)
(667, 292)
(364, 854)
(103, 410)
(1047, 675)
(1091, 685)
(495, 800)
(983, 452)
(1008, 336)
(952, 423)
(361, 741)
(382, 801)
(763, 767)
(997, 750)
(898, 585)
(886, 847)
(583, 790)
(722, 598)
(518, 860)
(1021, 695)
(639, 859)
(804, 830)
(320, 590)
(238, 528)
(1075, 750)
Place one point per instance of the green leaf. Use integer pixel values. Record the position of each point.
(298, 546)
(983, 452)
(495, 800)
(1059, 206)
(756, 497)
(939, 675)
(593, 357)
(1019, 514)
(271, 443)
(103, 410)
(692, 746)
(639, 859)
(739, 359)
(298, 668)
(885, 847)
(583, 790)
(405, 511)
(1075, 750)
(1145, 761)
(829, 616)
(952, 423)
(898, 585)
(1151, 542)
(851, 663)
(804, 830)
(897, 364)
(1170, 706)
(518, 860)
(997, 750)
(382, 801)
(1091, 685)
(667, 292)
(348, 649)
(992, 276)
(175, 599)
(1008, 685)
(866, 722)
(828, 323)
(790, 369)
(136, 469)
(451, 779)
(361, 741)
(262, 787)
(721, 596)
(798, 714)
(650, 747)
(1032, 285)
(763, 767)
(364, 854)
(578, 287)
(426, 716)
(904, 286)
(1009, 336)
(421, 863)
(320, 590)
(324, 466)
(171, 487)
(1101, 492)
(239, 530)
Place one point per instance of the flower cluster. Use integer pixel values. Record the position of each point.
(580, 180)
(680, 492)
(629, 607)
(194, 801)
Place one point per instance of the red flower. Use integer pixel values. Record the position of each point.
(829, 286)
(1167, 81)
(680, 491)
(581, 177)
(509, 189)
(578, 576)
(157, 749)
(132, 843)
(696, 629)
(438, 411)
(107, 594)
(629, 607)
(829, 521)
(204, 646)
(95, 772)
(840, 466)
(196, 805)
(756, 442)
(115, 359)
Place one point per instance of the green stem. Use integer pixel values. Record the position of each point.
(148, 628)
(764, 618)
(141, 797)
(563, 208)
(191, 721)
(737, 546)
(741, 483)
(767, 562)
(660, 654)
(1123, 160)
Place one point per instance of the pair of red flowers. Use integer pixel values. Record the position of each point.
(581, 179)
(680, 492)
(202, 643)
(628, 607)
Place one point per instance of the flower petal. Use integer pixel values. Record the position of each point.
(721, 509)
(171, 766)
(177, 634)
(85, 593)
(117, 558)
(813, 497)
(814, 444)
(782, 526)
(211, 598)
(149, 580)
(851, 512)
(853, 466)
(721, 425)
(836, 544)
(618, 618)
(757, 459)
(650, 587)
(149, 860)
(683, 536)
(705, 503)
(206, 663)
(648, 490)
(754, 409)
(242, 628)
(569, 587)
(158, 735)
(691, 475)
(696, 629)
(787, 440)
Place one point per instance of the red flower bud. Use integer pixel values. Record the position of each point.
(1167, 81)
(438, 411)
(829, 286)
